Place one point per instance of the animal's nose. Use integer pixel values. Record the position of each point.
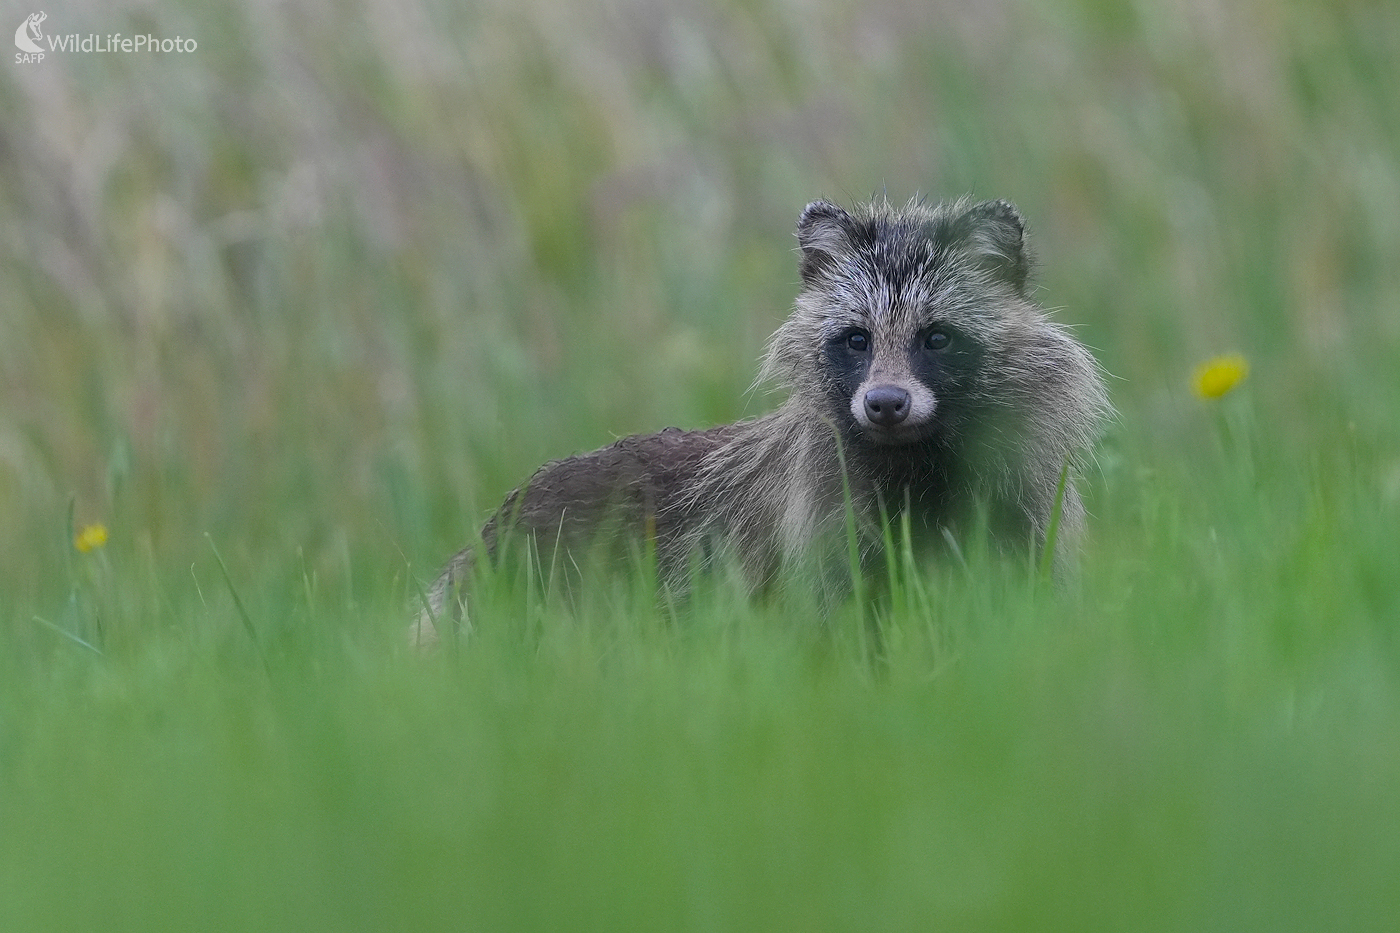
(886, 405)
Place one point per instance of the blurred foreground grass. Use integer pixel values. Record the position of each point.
(326, 288)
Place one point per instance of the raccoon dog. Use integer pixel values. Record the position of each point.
(923, 381)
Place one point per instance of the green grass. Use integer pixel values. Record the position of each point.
(291, 314)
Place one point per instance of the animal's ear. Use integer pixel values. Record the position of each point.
(823, 231)
(996, 235)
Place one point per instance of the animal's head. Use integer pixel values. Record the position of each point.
(910, 321)
(32, 24)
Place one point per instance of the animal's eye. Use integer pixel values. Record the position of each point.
(937, 340)
(858, 341)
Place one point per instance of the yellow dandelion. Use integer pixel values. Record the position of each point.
(1219, 375)
(90, 538)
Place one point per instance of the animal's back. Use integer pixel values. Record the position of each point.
(591, 509)
(632, 487)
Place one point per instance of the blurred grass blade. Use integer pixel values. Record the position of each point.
(238, 603)
(67, 634)
(1047, 554)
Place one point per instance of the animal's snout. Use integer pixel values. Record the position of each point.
(887, 405)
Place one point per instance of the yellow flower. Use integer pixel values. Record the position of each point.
(92, 536)
(1219, 375)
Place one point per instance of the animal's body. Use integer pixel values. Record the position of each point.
(918, 370)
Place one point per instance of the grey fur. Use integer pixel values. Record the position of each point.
(994, 413)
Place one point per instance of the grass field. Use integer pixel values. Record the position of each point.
(289, 314)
